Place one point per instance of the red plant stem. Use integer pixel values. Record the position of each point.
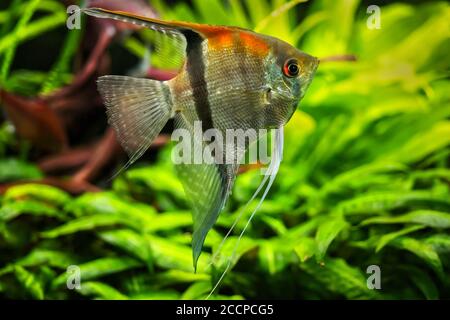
(339, 58)
(67, 160)
(104, 39)
(35, 120)
(106, 150)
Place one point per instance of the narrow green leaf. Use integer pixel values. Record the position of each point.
(12, 210)
(85, 224)
(129, 241)
(424, 282)
(29, 282)
(341, 278)
(178, 276)
(170, 221)
(387, 238)
(439, 242)
(9, 54)
(44, 193)
(156, 295)
(99, 290)
(109, 203)
(169, 255)
(427, 218)
(423, 251)
(14, 169)
(33, 29)
(326, 233)
(306, 248)
(273, 258)
(382, 201)
(424, 144)
(47, 257)
(198, 290)
(100, 267)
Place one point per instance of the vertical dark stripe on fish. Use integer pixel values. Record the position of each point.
(196, 70)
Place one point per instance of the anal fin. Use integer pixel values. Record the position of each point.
(207, 186)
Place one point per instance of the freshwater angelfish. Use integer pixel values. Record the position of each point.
(231, 78)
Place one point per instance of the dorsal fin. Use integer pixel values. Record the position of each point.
(177, 27)
(219, 36)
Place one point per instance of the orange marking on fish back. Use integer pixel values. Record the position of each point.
(219, 38)
(254, 44)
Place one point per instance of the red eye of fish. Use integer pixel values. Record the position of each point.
(291, 68)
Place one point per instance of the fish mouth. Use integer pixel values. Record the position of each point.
(314, 66)
(308, 75)
(317, 63)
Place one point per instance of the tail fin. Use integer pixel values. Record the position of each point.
(138, 109)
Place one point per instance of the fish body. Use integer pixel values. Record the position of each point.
(232, 78)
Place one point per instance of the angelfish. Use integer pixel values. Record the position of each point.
(231, 78)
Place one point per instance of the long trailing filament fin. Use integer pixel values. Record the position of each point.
(272, 171)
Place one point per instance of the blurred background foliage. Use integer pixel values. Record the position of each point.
(364, 181)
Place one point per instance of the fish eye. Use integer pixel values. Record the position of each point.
(291, 68)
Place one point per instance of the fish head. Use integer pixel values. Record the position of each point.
(289, 73)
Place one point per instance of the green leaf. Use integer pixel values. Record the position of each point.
(38, 192)
(230, 254)
(87, 223)
(387, 238)
(14, 169)
(424, 144)
(158, 179)
(47, 257)
(99, 290)
(110, 204)
(33, 29)
(273, 257)
(382, 201)
(424, 282)
(156, 295)
(178, 276)
(100, 267)
(427, 218)
(422, 250)
(339, 277)
(129, 241)
(439, 242)
(9, 54)
(29, 282)
(12, 210)
(348, 177)
(214, 12)
(170, 221)
(326, 233)
(62, 66)
(306, 248)
(169, 255)
(198, 290)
